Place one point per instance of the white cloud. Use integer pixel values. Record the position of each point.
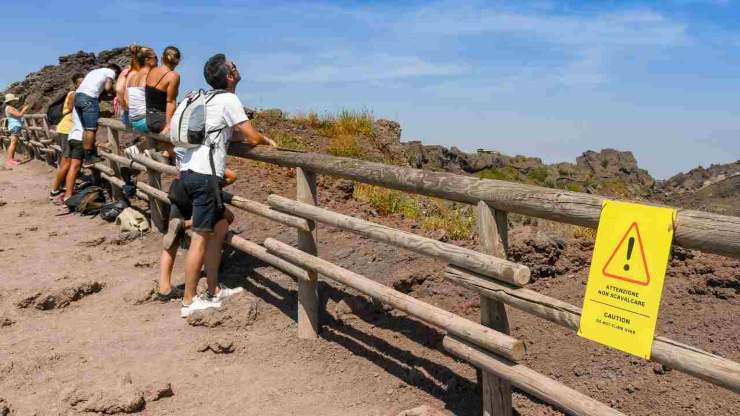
(342, 66)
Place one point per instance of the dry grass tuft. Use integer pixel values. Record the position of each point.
(287, 141)
(345, 145)
(310, 119)
(348, 122)
(457, 222)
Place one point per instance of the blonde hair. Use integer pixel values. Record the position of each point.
(171, 55)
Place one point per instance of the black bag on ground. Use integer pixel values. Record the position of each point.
(88, 201)
(110, 211)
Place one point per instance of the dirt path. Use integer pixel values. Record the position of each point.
(59, 356)
(100, 340)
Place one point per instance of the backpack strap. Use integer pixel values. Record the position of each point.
(212, 146)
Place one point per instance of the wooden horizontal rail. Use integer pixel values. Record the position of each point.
(34, 115)
(712, 233)
(119, 183)
(101, 166)
(152, 191)
(123, 161)
(478, 334)
(534, 383)
(156, 166)
(267, 212)
(141, 163)
(701, 364)
(495, 267)
(261, 253)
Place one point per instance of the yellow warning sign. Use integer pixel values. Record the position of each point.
(625, 281)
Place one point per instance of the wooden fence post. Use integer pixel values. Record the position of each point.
(115, 148)
(156, 207)
(308, 294)
(494, 240)
(51, 158)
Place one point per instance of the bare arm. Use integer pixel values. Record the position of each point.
(69, 102)
(121, 89)
(251, 136)
(173, 88)
(109, 85)
(15, 113)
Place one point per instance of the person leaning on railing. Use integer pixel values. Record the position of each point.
(87, 106)
(224, 116)
(15, 124)
(63, 129)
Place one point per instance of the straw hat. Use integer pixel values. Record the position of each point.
(10, 97)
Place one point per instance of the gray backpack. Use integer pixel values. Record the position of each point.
(188, 128)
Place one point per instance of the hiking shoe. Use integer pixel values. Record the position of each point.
(173, 231)
(55, 194)
(91, 160)
(200, 303)
(174, 293)
(225, 292)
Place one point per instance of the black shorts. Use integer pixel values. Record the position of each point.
(155, 120)
(62, 140)
(74, 150)
(199, 189)
(180, 204)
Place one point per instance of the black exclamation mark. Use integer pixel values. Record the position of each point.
(630, 246)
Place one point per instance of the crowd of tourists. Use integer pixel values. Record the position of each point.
(145, 98)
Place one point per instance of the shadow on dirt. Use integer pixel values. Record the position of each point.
(460, 395)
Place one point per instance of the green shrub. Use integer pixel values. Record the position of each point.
(575, 187)
(538, 175)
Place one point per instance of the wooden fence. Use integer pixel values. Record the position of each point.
(498, 281)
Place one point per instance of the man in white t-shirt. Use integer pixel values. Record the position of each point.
(225, 117)
(87, 106)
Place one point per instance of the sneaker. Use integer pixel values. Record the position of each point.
(12, 162)
(60, 200)
(174, 293)
(173, 231)
(91, 160)
(199, 303)
(55, 194)
(225, 292)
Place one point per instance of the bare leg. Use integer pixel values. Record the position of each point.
(74, 170)
(193, 263)
(88, 140)
(213, 254)
(11, 148)
(61, 174)
(167, 263)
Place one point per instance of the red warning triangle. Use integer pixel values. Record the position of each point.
(628, 262)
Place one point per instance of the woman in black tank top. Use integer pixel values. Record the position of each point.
(161, 96)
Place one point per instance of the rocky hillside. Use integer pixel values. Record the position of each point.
(715, 189)
(41, 88)
(607, 172)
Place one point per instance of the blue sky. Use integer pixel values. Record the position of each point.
(543, 78)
